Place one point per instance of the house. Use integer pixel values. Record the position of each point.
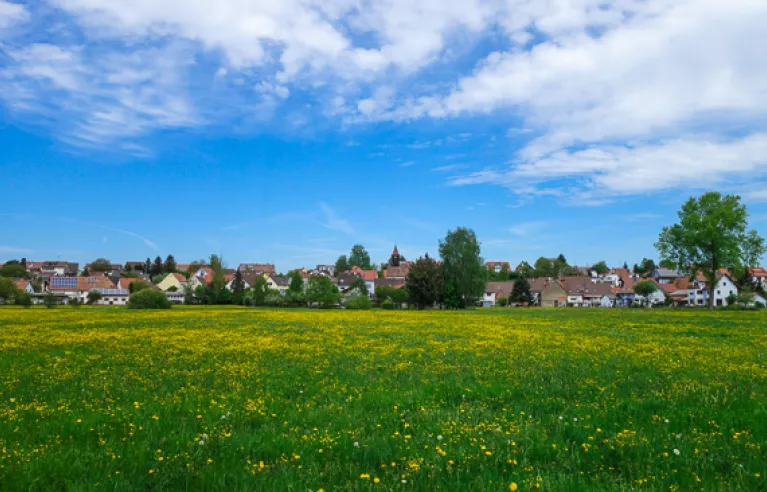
(24, 285)
(324, 270)
(175, 297)
(183, 267)
(171, 280)
(347, 279)
(113, 297)
(553, 294)
(495, 291)
(281, 284)
(758, 276)
(498, 266)
(59, 268)
(394, 283)
(78, 286)
(582, 292)
(265, 268)
(699, 295)
(666, 275)
(125, 283)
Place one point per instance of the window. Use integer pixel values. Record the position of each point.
(718, 292)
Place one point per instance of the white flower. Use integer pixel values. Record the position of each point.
(665, 421)
(202, 443)
(356, 444)
(560, 417)
(439, 437)
(404, 481)
(575, 419)
(676, 452)
(204, 436)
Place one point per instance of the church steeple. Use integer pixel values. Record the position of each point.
(394, 261)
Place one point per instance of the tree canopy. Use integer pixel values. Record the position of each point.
(463, 268)
(322, 292)
(342, 265)
(424, 283)
(601, 268)
(359, 257)
(101, 265)
(520, 292)
(712, 233)
(170, 264)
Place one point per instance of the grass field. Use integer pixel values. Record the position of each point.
(245, 399)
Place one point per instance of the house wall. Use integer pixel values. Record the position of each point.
(553, 295)
(169, 281)
(699, 296)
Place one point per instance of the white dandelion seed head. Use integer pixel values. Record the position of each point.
(676, 452)
(356, 444)
(575, 419)
(204, 436)
(665, 421)
(439, 437)
(202, 443)
(560, 417)
(404, 481)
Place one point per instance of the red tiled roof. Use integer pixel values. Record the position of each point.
(669, 288)
(501, 289)
(367, 275)
(89, 283)
(758, 272)
(21, 283)
(125, 283)
(179, 277)
(493, 264)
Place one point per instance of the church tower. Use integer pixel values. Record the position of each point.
(394, 261)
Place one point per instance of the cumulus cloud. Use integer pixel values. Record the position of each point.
(11, 13)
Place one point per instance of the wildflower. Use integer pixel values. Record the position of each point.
(665, 421)
(356, 444)
(365, 476)
(404, 481)
(202, 443)
(439, 437)
(376, 480)
(676, 452)
(513, 486)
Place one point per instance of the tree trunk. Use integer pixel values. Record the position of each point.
(711, 297)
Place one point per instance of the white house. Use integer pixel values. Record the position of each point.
(112, 297)
(758, 276)
(698, 294)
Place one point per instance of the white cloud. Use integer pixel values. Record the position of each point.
(12, 13)
(527, 228)
(333, 222)
(15, 250)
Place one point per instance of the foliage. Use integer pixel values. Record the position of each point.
(138, 286)
(273, 298)
(296, 282)
(359, 257)
(645, 289)
(295, 298)
(322, 292)
(8, 290)
(395, 295)
(500, 276)
(601, 268)
(9, 270)
(645, 267)
(259, 290)
(520, 293)
(172, 288)
(194, 266)
(170, 264)
(24, 299)
(711, 234)
(238, 287)
(387, 304)
(424, 282)
(524, 270)
(669, 264)
(156, 279)
(157, 267)
(359, 287)
(101, 265)
(50, 301)
(75, 302)
(501, 301)
(731, 299)
(148, 299)
(342, 265)
(94, 296)
(218, 282)
(462, 266)
(129, 274)
(358, 302)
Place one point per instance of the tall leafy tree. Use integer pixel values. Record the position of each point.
(147, 266)
(170, 264)
(359, 257)
(157, 267)
(645, 289)
(424, 282)
(218, 282)
(360, 287)
(8, 289)
(645, 267)
(13, 270)
(296, 283)
(259, 291)
(520, 293)
(545, 267)
(463, 266)
(711, 234)
(238, 287)
(101, 265)
(342, 265)
(322, 292)
(601, 268)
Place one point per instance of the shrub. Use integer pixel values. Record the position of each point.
(148, 299)
(50, 300)
(75, 302)
(273, 298)
(731, 299)
(759, 305)
(24, 299)
(502, 301)
(359, 302)
(387, 304)
(94, 296)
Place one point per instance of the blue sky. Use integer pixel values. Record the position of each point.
(288, 132)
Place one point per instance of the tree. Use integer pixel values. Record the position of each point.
(8, 290)
(259, 290)
(238, 287)
(101, 265)
(157, 267)
(170, 264)
(147, 266)
(195, 265)
(424, 282)
(342, 265)
(138, 286)
(625, 265)
(94, 296)
(359, 287)
(545, 267)
(525, 270)
(24, 299)
(601, 268)
(645, 267)
(13, 270)
(130, 274)
(462, 265)
(711, 234)
(148, 299)
(86, 272)
(645, 289)
(520, 293)
(359, 257)
(668, 264)
(50, 301)
(322, 292)
(561, 259)
(296, 283)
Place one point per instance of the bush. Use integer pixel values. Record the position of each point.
(502, 301)
(148, 299)
(731, 299)
(75, 302)
(50, 300)
(387, 304)
(94, 296)
(273, 298)
(359, 302)
(24, 299)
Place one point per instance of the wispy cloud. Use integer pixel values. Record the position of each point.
(15, 250)
(528, 228)
(407, 164)
(147, 242)
(333, 222)
(449, 167)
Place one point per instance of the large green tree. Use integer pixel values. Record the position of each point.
(101, 265)
(296, 282)
(520, 293)
(238, 287)
(462, 266)
(342, 265)
(13, 270)
(424, 282)
(322, 292)
(601, 268)
(645, 267)
(170, 264)
(8, 290)
(645, 289)
(712, 233)
(157, 267)
(359, 257)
